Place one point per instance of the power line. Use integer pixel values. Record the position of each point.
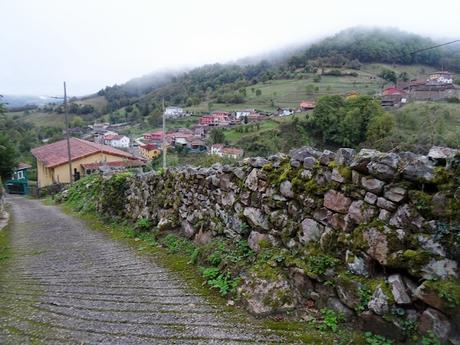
(436, 46)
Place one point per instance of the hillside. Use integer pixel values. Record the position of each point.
(332, 66)
(350, 50)
(290, 92)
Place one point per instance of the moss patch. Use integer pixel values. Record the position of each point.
(448, 290)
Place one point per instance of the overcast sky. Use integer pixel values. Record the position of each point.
(94, 43)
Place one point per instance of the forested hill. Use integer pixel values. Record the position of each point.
(379, 45)
(225, 83)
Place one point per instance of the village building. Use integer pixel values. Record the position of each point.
(53, 160)
(116, 140)
(100, 127)
(440, 78)
(226, 151)
(351, 95)
(239, 114)
(393, 97)
(219, 118)
(19, 181)
(149, 151)
(255, 117)
(437, 86)
(154, 137)
(307, 105)
(285, 111)
(174, 112)
(197, 146)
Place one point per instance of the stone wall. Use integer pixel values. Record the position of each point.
(2, 200)
(3, 214)
(372, 235)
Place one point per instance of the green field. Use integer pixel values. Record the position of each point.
(289, 93)
(235, 134)
(41, 119)
(98, 102)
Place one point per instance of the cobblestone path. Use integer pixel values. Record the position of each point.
(66, 284)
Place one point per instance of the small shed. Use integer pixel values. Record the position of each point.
(19, 182)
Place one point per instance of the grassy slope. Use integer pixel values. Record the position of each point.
(284, 93)
(289, 93)
(98, 102)
(41, 119)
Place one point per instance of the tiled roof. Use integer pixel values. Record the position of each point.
(232, 151)
(22, 166)
(307, 104)
(55, 154)
(150, 147)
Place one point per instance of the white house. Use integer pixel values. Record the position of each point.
(285, 112)
(243, 113)
(441, 77)
(173, 112)
(119, 141)
(223, 151)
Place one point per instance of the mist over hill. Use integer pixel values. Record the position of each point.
(16, 101)
(223, 83)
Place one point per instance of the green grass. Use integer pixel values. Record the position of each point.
(233, 135)
(4, 244)
(289, 93)
(423, 124)
(98, 102)
(41, 119)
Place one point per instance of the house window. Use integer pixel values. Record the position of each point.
(20, 175)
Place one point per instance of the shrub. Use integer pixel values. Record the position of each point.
(374, 339)
(331, 320)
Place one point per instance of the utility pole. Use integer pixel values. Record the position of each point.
(67, 133)
(164, 136)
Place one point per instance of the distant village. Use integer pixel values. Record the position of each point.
(102, 148)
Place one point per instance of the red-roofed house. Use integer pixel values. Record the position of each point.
(218, 118)
(393, 97)
(154, 137)
(149, 151)
(307, 105)
(393, 91)
(53, 161)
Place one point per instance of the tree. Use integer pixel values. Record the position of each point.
(258, 92)
(404, 76)
(389, 75)
(380, 127)
(326, 116)
(344, 122)
(77, 121)
(7, 157)
(217, 136)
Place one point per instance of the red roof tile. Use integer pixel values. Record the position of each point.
(150, 147)
(55, 154)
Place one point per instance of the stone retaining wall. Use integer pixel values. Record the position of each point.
(372, 235)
